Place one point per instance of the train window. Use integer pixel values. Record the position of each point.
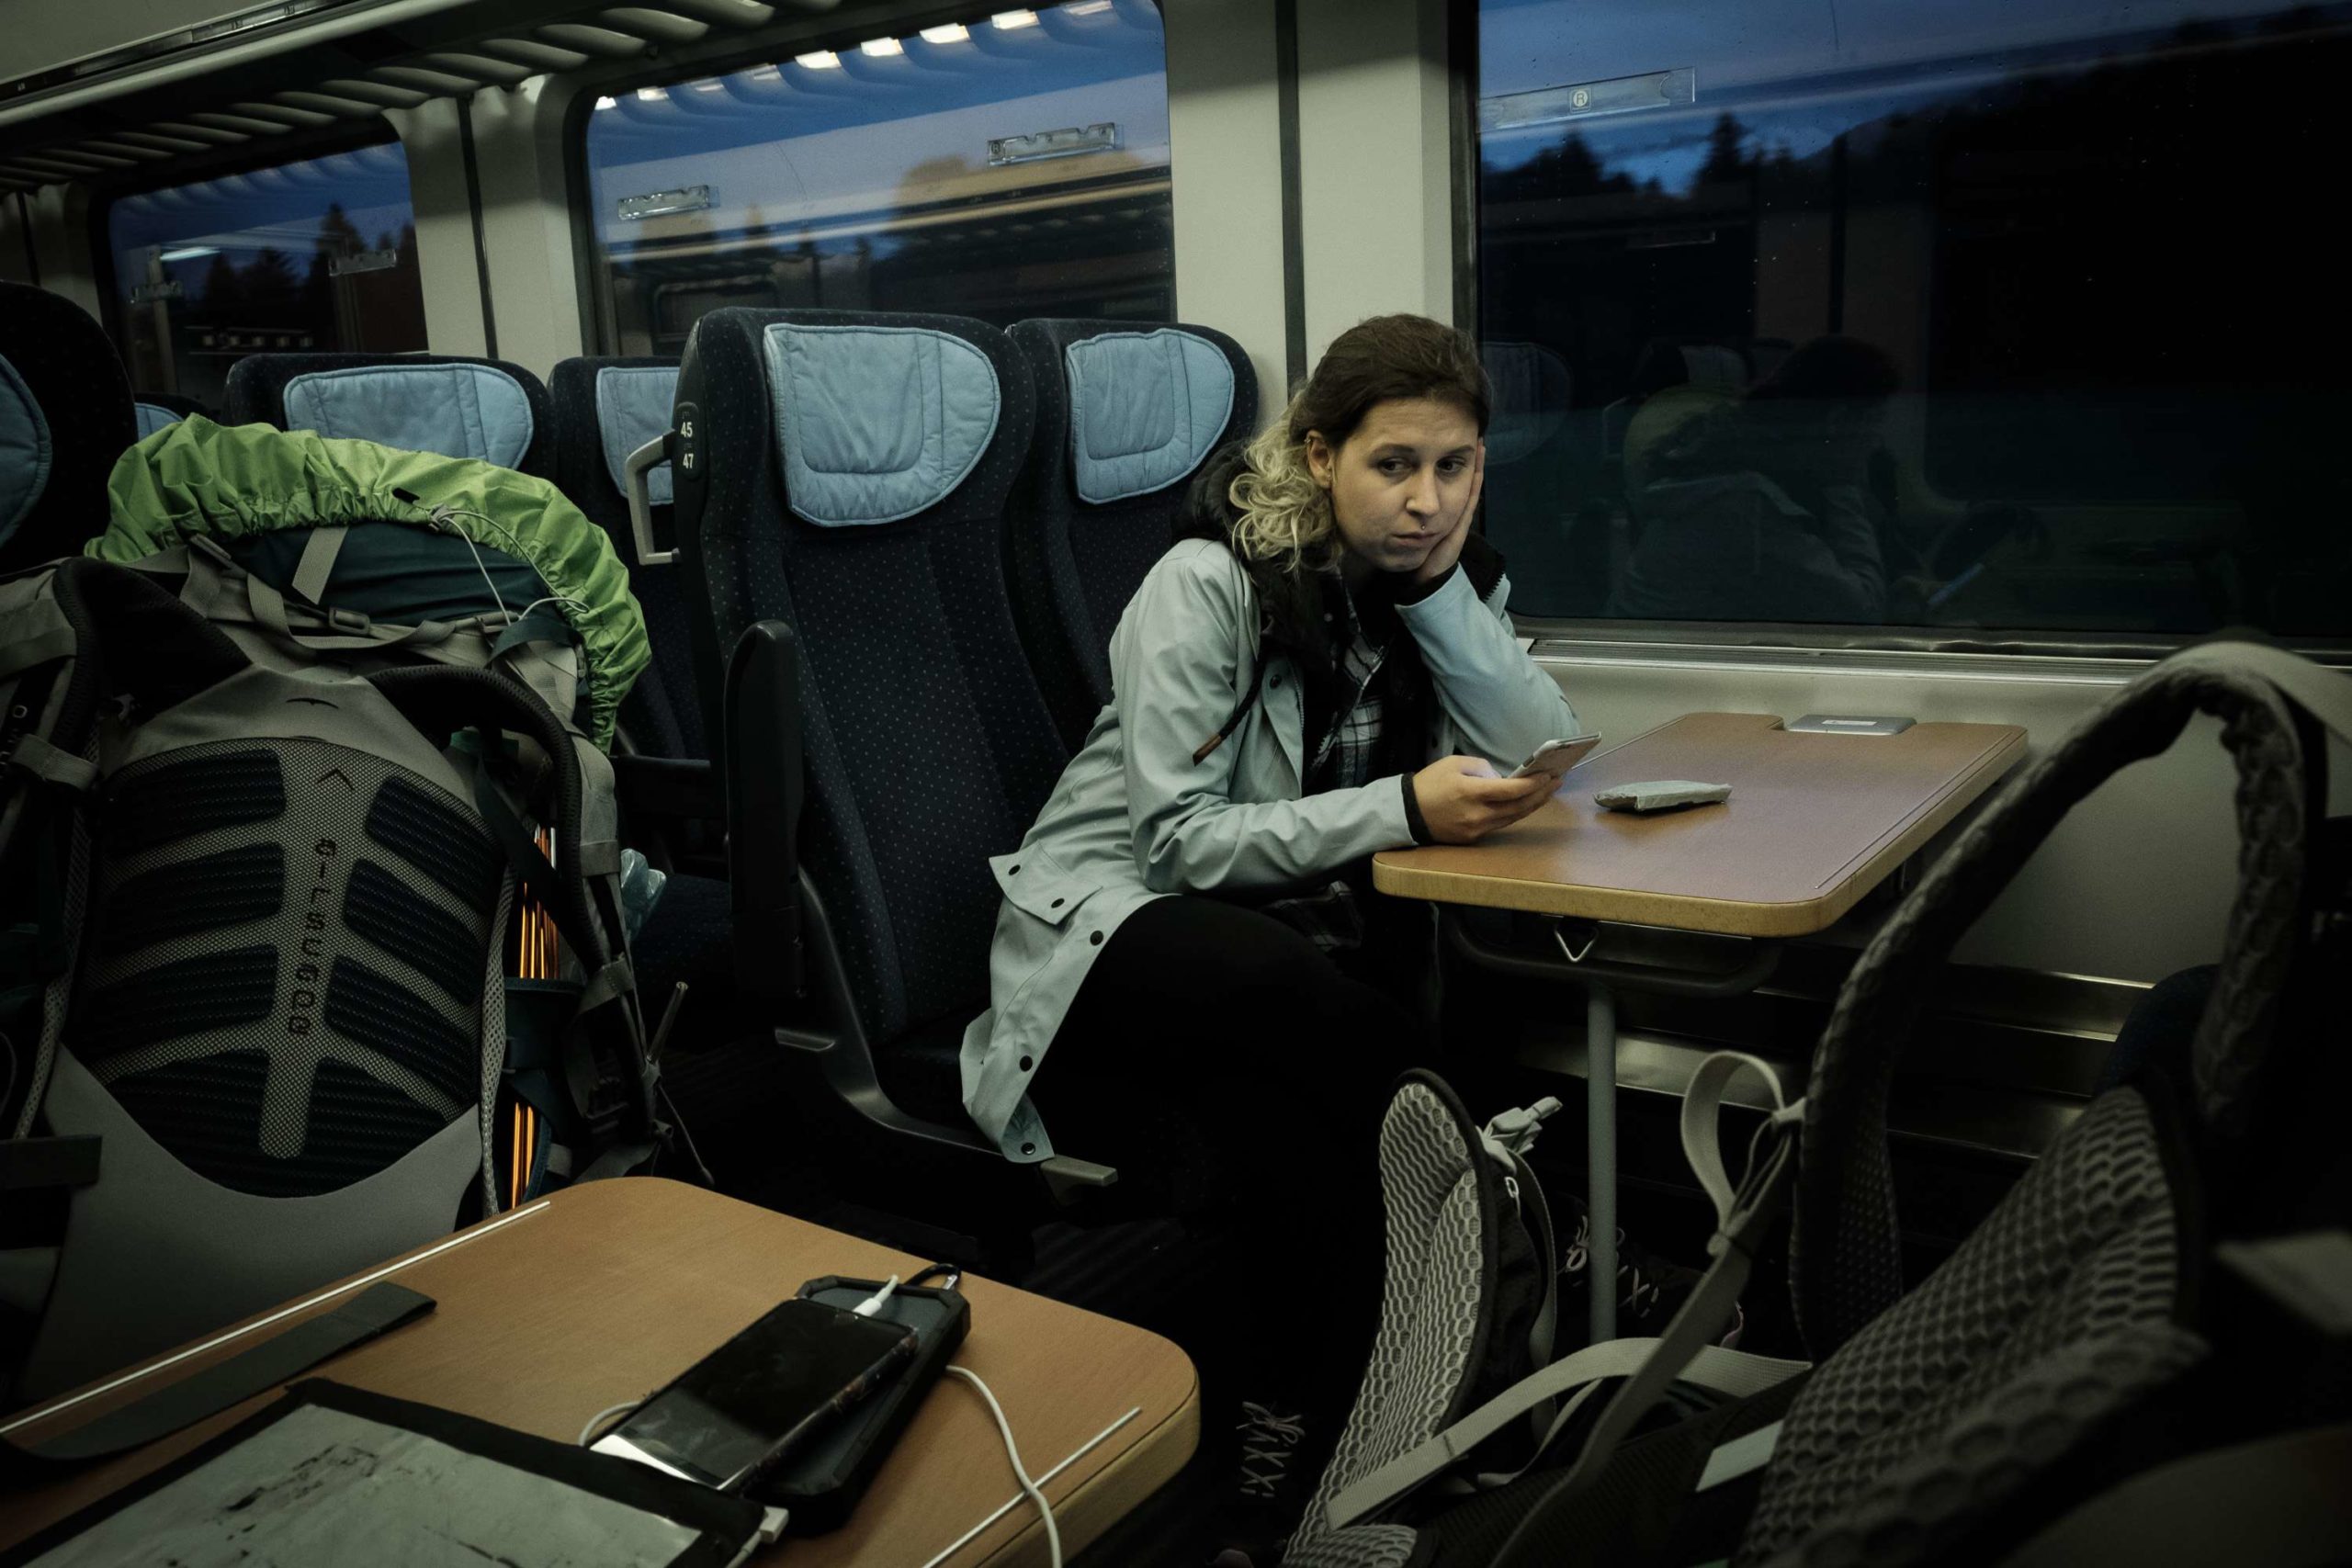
(1011, 164)
(314, 255)
(1949, 313)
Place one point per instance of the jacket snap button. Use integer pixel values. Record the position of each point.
(1276, 683)
(1014, 871)
(1028, 1062)
(1096, 938)
(1059, 902)
(1028, 1148)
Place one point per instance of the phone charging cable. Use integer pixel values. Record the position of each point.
(873, 1304)
(1020, 1473)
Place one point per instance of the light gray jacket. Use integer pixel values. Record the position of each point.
(1134, 817)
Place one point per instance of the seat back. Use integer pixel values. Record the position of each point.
(156, 410)
(65, 415)
(420, 402)
(606, 408)
(1126, 416)
(848, 475)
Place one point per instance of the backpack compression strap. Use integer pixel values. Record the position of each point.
(1744, 1215)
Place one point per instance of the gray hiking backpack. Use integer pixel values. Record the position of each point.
(2089, 1332)
(309, 951)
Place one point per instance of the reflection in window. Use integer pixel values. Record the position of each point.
(1949, 312)
(1014, 164)
(312, 256)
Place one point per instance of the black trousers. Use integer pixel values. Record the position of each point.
(1231, 1069)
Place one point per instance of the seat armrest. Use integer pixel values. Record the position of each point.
(762, 750)
(681, 789)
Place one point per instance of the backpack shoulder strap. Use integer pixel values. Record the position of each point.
(2323, 692)
(38, 632)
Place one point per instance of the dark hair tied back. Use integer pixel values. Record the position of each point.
(1389, 357)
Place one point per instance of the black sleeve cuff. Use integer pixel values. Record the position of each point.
(1413, 594)
(1414, 822)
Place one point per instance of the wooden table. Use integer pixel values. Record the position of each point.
(1815, 821)
(603, 1293)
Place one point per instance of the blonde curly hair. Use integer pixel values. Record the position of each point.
(1285, 517)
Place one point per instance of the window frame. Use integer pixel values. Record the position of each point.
(1464, 65)
(244, 158)
(695, 62)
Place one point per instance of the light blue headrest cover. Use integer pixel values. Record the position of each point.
(154, 417)
(633, 408)
(25, 451)
(458, 411)
(876, 423)
(1144, 408)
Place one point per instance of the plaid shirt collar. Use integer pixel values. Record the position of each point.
(1343, 759)
(1330, 916)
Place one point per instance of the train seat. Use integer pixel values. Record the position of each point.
(421, 403)
(157, 410)
(65, 415)
(849, 481)
(1126, 416)
(606, 408)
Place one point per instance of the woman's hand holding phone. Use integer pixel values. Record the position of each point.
(1463, 799)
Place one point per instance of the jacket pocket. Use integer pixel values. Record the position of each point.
(1036, 884)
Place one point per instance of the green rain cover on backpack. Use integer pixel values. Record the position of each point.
(196, 479)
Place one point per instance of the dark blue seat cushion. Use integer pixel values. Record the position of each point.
(68, 370)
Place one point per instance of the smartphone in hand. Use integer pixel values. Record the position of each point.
(750, 1404)
(1556, 756)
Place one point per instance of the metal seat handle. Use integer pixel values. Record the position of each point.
(634, 469)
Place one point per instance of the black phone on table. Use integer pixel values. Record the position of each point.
(1556, 756)
(748, 1405)
(822, 1484)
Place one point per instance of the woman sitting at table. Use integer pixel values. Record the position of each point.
(1190, 968)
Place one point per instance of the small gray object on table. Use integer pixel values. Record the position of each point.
(1660, 795)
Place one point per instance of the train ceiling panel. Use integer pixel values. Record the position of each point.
(297, 65)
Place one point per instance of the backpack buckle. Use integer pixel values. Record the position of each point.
(1515, 1129)
(351, 621)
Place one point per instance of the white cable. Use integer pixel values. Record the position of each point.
(514, 540)
(605, 1414)
(1045, 1509)
(873, 1303)
(772, 1525)
(566, 600)
(496, 596)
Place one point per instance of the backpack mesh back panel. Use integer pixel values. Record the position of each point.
(286, 988)
(2056, 1314)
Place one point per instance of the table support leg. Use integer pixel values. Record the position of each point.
(1600, 1141)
